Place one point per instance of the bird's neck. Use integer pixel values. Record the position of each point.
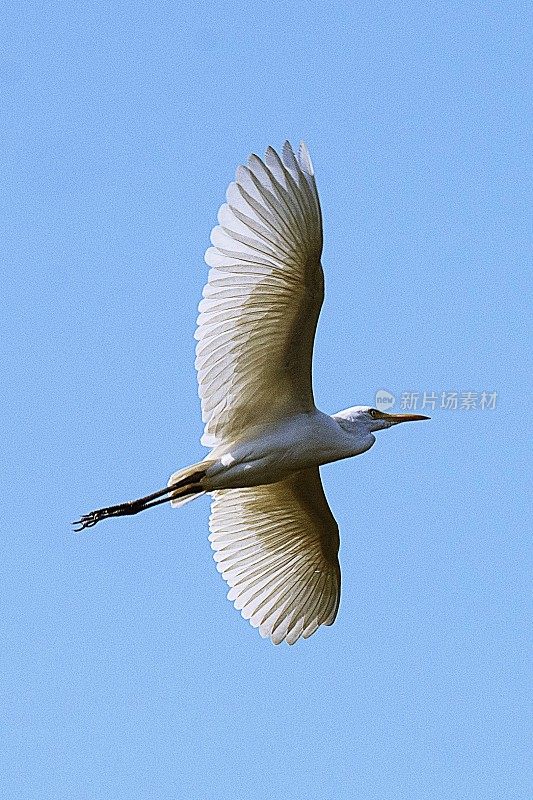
(360, 436)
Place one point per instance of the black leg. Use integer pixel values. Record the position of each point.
(126, 509)
(187, 485)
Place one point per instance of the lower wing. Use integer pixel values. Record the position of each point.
(276, 547)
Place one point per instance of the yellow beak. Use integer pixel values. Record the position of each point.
(394, 419)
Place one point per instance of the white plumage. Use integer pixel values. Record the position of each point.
(261, 303)
(276, 546)
(274, 536)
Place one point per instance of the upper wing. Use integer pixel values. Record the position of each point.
(276, 546)
(261, 304)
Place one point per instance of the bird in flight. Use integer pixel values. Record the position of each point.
(275, 539)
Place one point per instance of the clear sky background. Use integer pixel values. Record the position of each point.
(125, 672)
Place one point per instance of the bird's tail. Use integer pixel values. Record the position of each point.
(188, 483)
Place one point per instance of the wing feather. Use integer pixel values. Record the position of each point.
(276, 547)
(261, 303)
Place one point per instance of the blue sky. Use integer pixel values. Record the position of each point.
(125, 672)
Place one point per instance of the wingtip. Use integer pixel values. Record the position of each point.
(253, 161)
(304, 159)
(287, 148)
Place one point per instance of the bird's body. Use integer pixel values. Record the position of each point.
(275, 538)
(272, 453)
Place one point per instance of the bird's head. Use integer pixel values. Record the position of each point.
(368, 419)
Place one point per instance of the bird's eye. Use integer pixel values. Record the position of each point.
(372, 412)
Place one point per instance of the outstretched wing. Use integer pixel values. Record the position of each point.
(276, 547)
(261, 304)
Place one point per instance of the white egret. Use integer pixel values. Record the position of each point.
(274, 536)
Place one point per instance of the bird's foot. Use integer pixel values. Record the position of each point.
(124, 509)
